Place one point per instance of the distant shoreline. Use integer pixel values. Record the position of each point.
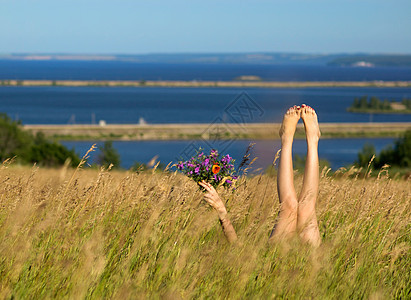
(379, 111)
(223, 131)
(237, 58)
(209, 84)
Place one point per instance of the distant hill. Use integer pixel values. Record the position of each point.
(363, 60)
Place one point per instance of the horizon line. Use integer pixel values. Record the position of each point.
(203, 53)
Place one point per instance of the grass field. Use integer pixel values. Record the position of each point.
(85, 233)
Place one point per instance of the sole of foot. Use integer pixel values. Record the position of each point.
(290, 121)
(310, 119)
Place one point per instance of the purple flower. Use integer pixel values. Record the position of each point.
(200, 166)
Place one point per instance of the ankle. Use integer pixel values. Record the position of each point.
(286, 143)
(287, 137)
(313, 140)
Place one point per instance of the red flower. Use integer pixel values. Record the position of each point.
(216, 168)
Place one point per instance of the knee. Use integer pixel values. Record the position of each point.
(290, 204)
(310, 235)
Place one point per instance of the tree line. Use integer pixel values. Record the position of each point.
(398, 155)
(26, 148)
(375, 104)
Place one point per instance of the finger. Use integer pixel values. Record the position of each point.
(207, 186)
(209, 196)
(204, 185)
(214, 201)
(212, 196)
(210, 201)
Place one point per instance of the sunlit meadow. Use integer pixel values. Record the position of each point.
(84, 233)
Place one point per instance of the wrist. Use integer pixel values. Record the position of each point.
(222, 214)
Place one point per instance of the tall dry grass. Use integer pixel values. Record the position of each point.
(90, 234)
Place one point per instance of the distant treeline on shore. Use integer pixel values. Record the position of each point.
(262, 58)
(195, 83)
(375, 105)
(41, 144)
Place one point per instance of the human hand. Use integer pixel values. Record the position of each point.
(213, 199)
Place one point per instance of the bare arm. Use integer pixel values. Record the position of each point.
(215, 201)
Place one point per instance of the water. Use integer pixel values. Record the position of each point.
(339, 152)
(59, 105)
(114, 70)
(82, 105)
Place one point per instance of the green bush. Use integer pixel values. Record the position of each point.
(16, 142)
(365, 155)
(399, 155)
(138, 167)
(108, 155)
(13, 140)
(50, 154)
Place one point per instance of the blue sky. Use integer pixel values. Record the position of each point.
(137, 27)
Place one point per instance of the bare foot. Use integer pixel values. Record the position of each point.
(312, 130)
(290, 121)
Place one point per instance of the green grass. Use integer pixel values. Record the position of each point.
(96, 234)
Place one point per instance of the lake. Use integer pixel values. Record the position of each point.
(121, 70)
(83, 105)
(339, 152)
(122, 105)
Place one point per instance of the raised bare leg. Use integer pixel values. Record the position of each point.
(307, 220)
(287, 217)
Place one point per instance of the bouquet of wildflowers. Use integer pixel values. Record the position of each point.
(210, 168)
